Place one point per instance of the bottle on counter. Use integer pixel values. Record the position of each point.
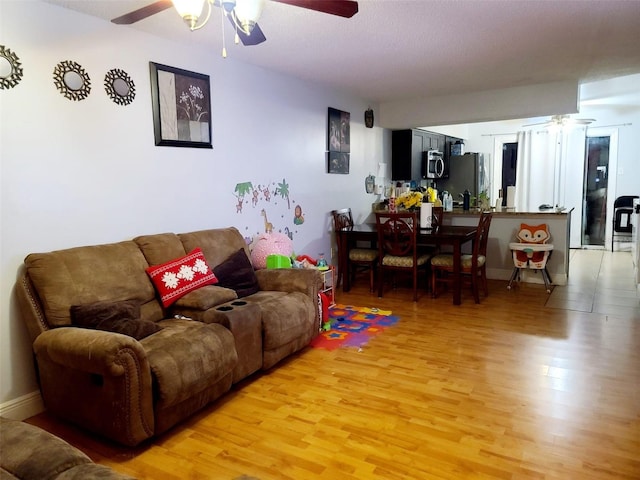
(392, 200)
(466, 200)
(447, 201)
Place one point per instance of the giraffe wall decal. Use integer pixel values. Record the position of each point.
(268, 226)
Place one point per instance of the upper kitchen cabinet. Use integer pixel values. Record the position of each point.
(406, 153)
(407, 147)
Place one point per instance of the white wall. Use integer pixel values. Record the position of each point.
(615, 106)
(88, 172)
(78, 173)
(505, 103)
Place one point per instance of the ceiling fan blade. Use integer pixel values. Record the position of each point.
(341, 8)
(256, 37)
(142, 13)
(583, 121)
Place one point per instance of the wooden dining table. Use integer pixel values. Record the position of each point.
(454, 235)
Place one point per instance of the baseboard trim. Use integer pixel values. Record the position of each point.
(23, 407)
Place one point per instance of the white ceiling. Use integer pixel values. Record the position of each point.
(396, 49)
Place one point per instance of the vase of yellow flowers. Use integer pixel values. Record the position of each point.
(409, 200)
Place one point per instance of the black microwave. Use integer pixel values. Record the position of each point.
(433, 165)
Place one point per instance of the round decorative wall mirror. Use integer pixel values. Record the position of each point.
(10, 69)
(119, 86)
(72, 81)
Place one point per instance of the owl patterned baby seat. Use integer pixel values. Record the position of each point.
(532, 252)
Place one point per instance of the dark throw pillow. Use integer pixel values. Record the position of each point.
(118, 317)
(237, 273)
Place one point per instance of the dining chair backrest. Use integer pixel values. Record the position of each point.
(482, 237)
(342, 218)
(437, 216)
(396, 233)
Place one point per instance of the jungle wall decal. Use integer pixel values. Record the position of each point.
(266, 207)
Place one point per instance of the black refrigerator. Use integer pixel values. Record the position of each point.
(466, 172)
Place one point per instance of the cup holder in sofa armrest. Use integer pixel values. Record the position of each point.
(226, 308)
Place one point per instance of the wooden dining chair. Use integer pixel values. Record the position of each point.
(357, 258)
(437, 216)
(472, 266)
(398, 249)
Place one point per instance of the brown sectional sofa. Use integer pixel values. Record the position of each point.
(30, 453)
(129, 390)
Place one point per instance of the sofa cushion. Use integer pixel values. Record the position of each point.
(119, 317)
(176, 278)
(206, 297)
(187, 357)
(161, 247)
(216, 244)
(82, 275)
(236, 272)
(286, 317)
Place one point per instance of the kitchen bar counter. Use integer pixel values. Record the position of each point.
(504, 227)
(507, 213)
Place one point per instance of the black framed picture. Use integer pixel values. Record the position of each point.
(338, 141)
(339, 134)
(181, 102)
(338, 162)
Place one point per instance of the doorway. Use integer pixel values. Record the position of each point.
(595, 188)
(509, 165)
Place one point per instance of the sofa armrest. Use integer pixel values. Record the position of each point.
(31, 453)
(88, 350)
(98, 380)
(307, 281)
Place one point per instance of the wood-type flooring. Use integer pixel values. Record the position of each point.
(525, 385)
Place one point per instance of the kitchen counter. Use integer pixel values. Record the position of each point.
(504, 227)
(506, 213)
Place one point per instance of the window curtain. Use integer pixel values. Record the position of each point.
(537, 170)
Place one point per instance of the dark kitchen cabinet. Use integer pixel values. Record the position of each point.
(406, 153)
(407, 147)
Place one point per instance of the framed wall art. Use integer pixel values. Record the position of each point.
(338, 141)
(181, 103)
(338, 162)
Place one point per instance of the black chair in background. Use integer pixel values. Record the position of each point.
(622, 211)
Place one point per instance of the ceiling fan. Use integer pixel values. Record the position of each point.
(559, 121)
(243, 14)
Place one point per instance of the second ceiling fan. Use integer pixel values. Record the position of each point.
(562, 121)
(243, 14)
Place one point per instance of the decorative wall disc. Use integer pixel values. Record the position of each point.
(72, 81)
(10, 69)
(119, 86)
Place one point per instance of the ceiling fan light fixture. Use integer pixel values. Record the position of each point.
(190, 11)
(247, 13)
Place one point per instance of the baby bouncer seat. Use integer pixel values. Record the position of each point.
(532, 252)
